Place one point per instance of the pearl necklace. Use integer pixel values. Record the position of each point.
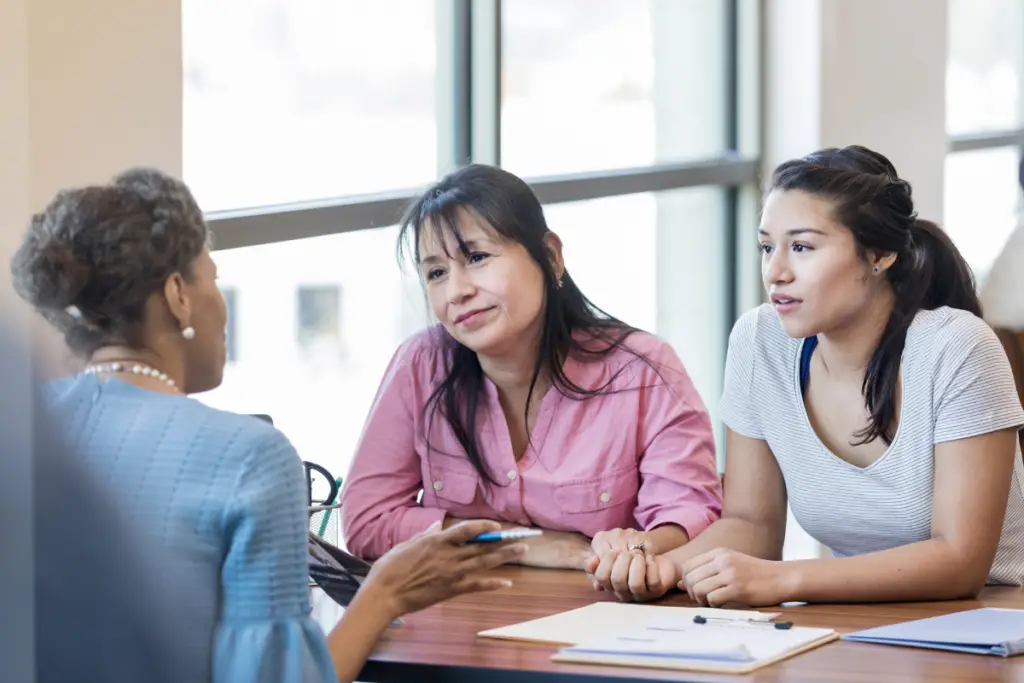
(134, 368)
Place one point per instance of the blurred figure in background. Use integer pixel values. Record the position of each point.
(72, 565)
(1002, 298)
(17, 661)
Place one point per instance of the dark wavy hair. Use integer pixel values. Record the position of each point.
(513, 212)
(94, 256)
(875, 204)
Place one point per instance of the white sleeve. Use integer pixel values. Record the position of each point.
(738, 409)
(974, 389)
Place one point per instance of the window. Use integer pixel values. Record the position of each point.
(985, 71)
(592, 84)
(667, 274)
(985, 118)
(315, 354)
(319, 317)
(294, 101)
(982, 204)
(231, 335)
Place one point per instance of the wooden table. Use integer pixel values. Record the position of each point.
(440, 643)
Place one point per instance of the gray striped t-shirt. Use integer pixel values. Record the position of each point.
(957, 383)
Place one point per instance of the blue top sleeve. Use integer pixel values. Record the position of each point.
(266, 633)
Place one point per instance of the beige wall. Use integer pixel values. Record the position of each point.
(14, 145)
(869, 72)
(103, 98)
(81, 104)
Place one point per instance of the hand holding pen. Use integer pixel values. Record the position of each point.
(437, 565)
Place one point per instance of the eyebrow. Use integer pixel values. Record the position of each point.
(471, 245)
(798, 231)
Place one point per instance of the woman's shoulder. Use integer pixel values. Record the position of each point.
(629, 358)
(239, 437)
(646, 344)
(760, 326)
(193, 424)
(946, 340)
(422, 358)
(428, 345)
(616, 346)
(760, 346)
(934, 331)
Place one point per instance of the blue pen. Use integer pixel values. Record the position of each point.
(505, 535)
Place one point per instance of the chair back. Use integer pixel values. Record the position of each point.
(1013, 345)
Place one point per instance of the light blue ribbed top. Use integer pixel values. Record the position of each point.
(225, 496)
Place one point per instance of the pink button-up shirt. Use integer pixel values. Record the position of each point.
(638, 458)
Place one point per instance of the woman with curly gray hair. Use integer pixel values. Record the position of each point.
(124, 271)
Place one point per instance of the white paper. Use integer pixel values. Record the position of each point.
(602, 619)
(735, 641)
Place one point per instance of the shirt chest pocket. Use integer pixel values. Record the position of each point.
(452, 487)
(614, 493)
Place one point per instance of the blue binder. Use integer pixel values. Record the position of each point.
(986, 631)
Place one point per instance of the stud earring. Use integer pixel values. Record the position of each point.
(189, 332)
(876, 270)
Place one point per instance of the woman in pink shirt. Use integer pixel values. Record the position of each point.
(526, 404)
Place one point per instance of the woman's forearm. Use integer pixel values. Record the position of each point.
(352, 640)
(552, 550)
(927, 570)
(557, 550)
(665, 538)
(737, 534)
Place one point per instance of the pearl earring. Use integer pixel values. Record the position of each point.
(189, 332)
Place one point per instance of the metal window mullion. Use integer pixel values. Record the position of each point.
(453, 84)
(751, 44)
(485, 82)
(731, 194)
(728, 171)
(973, 142)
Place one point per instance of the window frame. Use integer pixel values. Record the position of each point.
(469, 129)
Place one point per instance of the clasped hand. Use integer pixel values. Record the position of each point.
(714, 578)
(632, 573)
(723, 576)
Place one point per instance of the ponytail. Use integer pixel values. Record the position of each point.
(932, 274)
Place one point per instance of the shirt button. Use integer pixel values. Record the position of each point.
(512, 474)
(438, 485)
(605, 497)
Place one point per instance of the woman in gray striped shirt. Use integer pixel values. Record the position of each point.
(868, 395)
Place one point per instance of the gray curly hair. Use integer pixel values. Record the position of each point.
(94, 256)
